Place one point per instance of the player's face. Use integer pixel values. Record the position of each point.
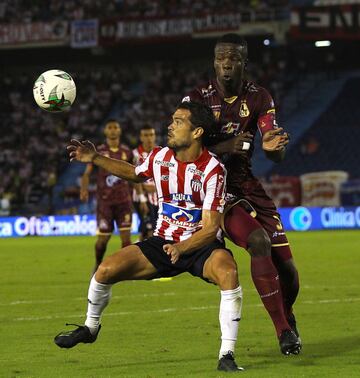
(180, 131)
(229, 63)
(147, 138)
(112, 130)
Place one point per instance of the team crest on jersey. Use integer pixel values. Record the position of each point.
(244, 110)
(123, 156)
(195, 185)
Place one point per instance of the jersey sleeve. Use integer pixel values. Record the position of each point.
(267, 118)
(146, 169)
(215, 190)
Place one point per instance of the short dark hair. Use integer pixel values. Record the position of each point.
(147, 127)
(112, 120)
(234, 38)
(201, 116)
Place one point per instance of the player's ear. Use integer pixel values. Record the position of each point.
(198, 132)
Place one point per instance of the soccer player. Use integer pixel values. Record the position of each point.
(190, 183)
(251, 219)
(147, 191)
(112, 193)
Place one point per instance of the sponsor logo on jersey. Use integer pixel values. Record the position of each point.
(216, 114)
(230, 128)
(111, 180)
(207, 92)
(181, 197)
(195, 185)
(220, 184)
(164, 177)
(196, 171)
(164, 163)
(181, 217)
(244, 110)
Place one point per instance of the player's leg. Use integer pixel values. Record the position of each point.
(245, 231)
(100, 248)
(127, 264)
(105, 227)
(289, 281)
(221, 269)
(123, 216)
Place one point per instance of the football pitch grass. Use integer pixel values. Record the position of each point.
(170, 329)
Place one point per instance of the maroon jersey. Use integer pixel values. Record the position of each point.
(252, 110)
(110, 188)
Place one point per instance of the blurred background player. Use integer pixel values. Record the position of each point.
(112, 193)
(145, 193)
(251, 220)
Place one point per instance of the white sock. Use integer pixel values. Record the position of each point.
(229, 317)
(98, 297)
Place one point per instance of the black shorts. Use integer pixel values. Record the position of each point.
(193, 263)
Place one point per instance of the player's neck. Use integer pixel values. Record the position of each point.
(230, 90)
(189, 154)
(147, 148)
(113, 143)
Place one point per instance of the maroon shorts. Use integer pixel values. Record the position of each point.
(253, 211)
(107, 214)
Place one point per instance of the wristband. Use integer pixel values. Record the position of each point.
(245, 146)
(142, 198)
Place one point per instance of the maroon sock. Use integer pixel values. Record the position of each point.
(266, 280)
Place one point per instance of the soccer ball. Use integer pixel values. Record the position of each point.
(54, 90)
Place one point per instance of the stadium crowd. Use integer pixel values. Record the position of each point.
(19, 11)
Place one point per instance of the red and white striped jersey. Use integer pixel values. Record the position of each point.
(140, 155)
(184, 190)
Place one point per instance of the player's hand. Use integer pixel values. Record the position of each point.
(84, 195)
(275, 140)
(143, 207)
(172, 251)
(84, 151)
(240, 144)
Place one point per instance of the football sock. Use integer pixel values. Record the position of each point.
(266, 281)
(98, 297)
(290, 290)
(229, 317)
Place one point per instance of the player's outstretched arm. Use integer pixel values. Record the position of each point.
(201, 238)
(274, 143)
(85, 152)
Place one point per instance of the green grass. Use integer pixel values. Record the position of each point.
(170, 329)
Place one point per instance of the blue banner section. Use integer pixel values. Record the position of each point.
(53, 225)
(293, 219)
(320, 218)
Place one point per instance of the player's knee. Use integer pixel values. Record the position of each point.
(104, 273)
(259, 243)
(227, 275)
